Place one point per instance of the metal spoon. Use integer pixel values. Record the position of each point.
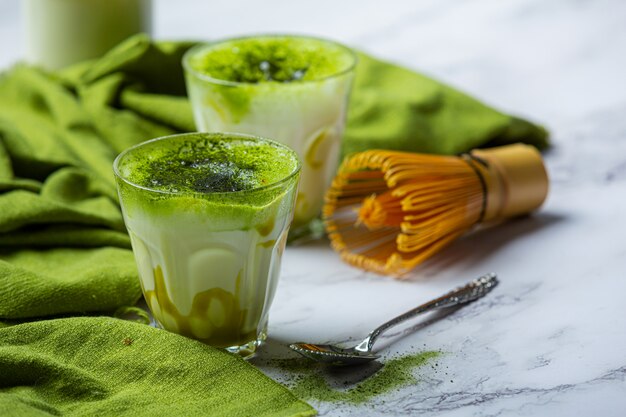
(362, 352)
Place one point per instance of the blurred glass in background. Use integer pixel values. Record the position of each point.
(62, 32)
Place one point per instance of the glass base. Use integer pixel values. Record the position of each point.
(248, 351)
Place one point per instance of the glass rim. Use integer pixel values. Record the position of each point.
(207, 45)
(225, 136)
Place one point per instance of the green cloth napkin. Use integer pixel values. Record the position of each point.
(63, 244)
(99, 366)
(395, 108)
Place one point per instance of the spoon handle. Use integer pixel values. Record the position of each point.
(465, 294)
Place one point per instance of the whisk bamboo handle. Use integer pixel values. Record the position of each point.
(515, 178)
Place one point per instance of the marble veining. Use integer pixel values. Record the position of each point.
(550, 340)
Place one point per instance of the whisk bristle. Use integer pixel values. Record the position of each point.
(388, 211)
(376, 213)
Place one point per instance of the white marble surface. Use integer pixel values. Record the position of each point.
(551, 338)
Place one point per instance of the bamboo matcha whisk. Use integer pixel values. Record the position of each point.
(387, 211)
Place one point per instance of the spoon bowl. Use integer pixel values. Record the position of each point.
(332, 354)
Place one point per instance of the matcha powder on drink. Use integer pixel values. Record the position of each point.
(280, 59)
(217, 164)
(311, 383)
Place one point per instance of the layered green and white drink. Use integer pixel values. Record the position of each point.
(208, 216)
(292, 89)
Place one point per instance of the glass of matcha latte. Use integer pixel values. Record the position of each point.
(293, 89)
(208, 215)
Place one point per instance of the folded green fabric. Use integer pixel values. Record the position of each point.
(59, 134)
(65, 280)
(394, 108)
(96, 366)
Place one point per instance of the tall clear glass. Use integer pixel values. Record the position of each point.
(208, 216)
(294, 89)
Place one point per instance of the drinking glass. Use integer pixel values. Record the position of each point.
(307, 114)
(62, 32)
(208, 250)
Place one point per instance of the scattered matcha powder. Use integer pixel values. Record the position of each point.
(313, 381)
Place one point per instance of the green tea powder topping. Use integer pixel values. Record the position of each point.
(272, 59)
(219, 164)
